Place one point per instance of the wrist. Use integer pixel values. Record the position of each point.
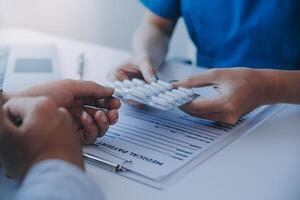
(269, 86)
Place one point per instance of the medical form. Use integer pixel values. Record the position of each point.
(156, 144)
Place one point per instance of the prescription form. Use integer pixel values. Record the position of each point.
(160, 143)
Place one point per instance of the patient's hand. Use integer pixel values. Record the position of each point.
(73, 95)
(35, 129)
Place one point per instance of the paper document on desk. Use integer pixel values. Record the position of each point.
(162, 143)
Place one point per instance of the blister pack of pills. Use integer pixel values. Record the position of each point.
(156, 94)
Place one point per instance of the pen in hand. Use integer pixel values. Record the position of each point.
(95, 108)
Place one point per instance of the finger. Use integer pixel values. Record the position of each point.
(127, 71)
(90, 132)
(203, 79)
(8, 123)
(16, 106)
(148, 71)
(76, 104)
(134, 103)
(134, 72)
(64, 114)
(90, 110)
(20, 109)
(203, 106)
(121, 75)
(109, 103)
(112, 116)
(68, 119)
(76, 112)
(85, 89)
(81, 134)
(102, 122)
(221, 118)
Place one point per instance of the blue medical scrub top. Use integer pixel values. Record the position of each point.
(235, 33)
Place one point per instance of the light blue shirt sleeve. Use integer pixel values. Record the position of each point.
(57, 180)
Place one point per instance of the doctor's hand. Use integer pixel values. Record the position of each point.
(242, 90)
(74, 96)
(143, 69)
(35, 129)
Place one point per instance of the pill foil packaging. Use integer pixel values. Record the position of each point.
(158, 94)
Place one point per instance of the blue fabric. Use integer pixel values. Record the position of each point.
(51, 180)
(232, 33)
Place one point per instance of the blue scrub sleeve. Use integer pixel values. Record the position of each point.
(169, 9)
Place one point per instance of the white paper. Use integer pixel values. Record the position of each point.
(158, 142)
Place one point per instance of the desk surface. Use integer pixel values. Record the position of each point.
(262, 164)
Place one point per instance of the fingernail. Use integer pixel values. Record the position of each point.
(103, 118)
(87, 117)
(115, 114)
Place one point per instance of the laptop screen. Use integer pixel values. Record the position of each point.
(34, 65)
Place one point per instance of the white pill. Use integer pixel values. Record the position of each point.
(177, 97)
(128, 84)
(141, 89)
(189, 92)
(171, 100)
(158, 87)
(138, 94)
(138, 82)
(159, 101)
(151, 89)
(166, 85)
(173, 95)
(183, 95)
(147, 92)
(119, 92)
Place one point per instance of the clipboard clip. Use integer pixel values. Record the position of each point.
(103, 163)
(106, 164)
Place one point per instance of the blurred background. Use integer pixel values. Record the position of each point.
(105, 22)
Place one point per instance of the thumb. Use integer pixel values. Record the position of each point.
(7, 125)
(148, 71)
(19, 107)
(200, 80)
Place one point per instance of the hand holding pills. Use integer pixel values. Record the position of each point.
(158, 94)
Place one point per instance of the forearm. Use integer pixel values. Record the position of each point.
(151, 40)
(282, 86)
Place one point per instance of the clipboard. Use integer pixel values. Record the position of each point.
(115, 163)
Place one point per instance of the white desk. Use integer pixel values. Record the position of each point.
(263, 164)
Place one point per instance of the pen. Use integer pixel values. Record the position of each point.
(95, 108)
(81, 66)
(104, 163)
